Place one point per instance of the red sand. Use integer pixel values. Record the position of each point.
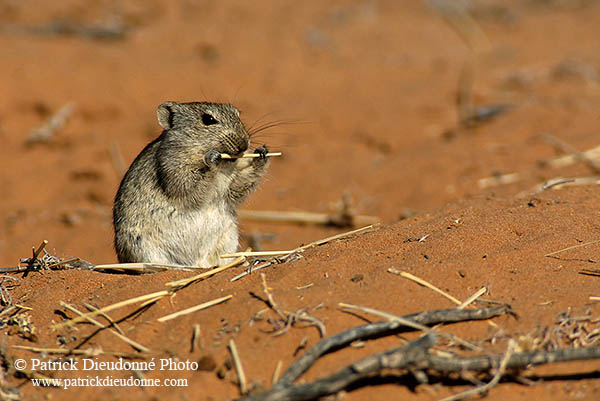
(367, 91)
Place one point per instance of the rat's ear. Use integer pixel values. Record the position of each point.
(165, 113)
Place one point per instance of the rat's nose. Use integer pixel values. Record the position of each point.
(242, 146)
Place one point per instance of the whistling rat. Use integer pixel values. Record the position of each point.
(177, 202)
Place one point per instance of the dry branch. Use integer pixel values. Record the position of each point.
(414, 358)
(495, 380)
(379, 329)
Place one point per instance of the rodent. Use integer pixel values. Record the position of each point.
(177, 202)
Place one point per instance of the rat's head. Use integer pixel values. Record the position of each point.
(204, 126)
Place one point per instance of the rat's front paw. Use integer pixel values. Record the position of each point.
(212, 157)
(262, 151)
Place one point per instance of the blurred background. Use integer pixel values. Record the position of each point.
(383, 108)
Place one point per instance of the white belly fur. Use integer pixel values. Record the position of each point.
(194, 237)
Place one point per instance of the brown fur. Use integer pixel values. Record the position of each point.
(177, 202)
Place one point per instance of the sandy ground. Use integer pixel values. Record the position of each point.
(365, 97)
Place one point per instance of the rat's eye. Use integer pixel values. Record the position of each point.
(207, 119)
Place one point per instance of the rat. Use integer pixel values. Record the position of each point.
(177, 202)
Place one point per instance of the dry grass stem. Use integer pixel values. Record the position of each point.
(116, 156)
(255, 254)
(436, 289)
(104, 315)
(129, 341)
(306, 218)
(146, 267)
(300, 248)
(53, 124)
(425, 284)
(238, 367)
(272, 304)
(195, 338)
(87, 352)
(577, 155)
(497, 180)
(287, 318)
(185, 281)
(556, 183)
(304, 287)
(559, 183)
(141, 298)
(194, 308)
(63, 262)
(36, 252)
(456, 14)
(370, 227)
(276, 372)
(389, 316)
(249, 155)
(472, 298)
(572, 247)
(568, 160)
(291, 256)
